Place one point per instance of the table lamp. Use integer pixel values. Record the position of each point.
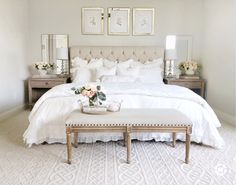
(62, 54)
(170, 57)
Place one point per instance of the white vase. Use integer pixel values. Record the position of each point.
(42, 72)
(189, 72)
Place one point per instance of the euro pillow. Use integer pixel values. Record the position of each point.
(108, 63)
(115, 78)
(82, 75)
(88, 70)
(95, 63)
(154, 63)
(78, 62)
(126, 64)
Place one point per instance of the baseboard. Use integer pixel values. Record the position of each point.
(224, 117)
(11, 112)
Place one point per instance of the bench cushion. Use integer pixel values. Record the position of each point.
(132, 117)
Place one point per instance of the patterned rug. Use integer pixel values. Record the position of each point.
(105, 163)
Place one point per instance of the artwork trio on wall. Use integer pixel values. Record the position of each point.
(118, 21)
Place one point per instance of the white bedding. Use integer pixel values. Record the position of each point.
(47, 119)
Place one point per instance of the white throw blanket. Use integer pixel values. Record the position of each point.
(47, 119)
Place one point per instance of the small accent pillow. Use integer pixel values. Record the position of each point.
(101, 71)
(114, 78)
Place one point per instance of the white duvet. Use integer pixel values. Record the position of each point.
(47, 119)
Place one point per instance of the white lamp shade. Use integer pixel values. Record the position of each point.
(170, 42)
(62, 53)
(171, 54)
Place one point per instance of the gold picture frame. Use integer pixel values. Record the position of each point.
(118, 21)
(92, 21)
(143, 21)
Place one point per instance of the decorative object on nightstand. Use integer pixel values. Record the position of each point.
(38, 86)
(170, 57)
(62, 54)
(196, 85)
(190, 69)
(43, 67)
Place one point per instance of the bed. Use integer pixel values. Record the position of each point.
(47, 118)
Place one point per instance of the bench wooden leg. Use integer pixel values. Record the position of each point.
(76, 139)
(69, 145)
(187, 148)
(125, 139)
(174, 139)
(128, 147)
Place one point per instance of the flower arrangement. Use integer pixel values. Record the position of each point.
(189, 67)
(94, 94)
(43, 66)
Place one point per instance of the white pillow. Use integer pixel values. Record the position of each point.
(84, 72)
(136, 64)
(125, 64)
(78, 62)
(151, 75)
(128, 71)
(82, 75)
(155, 63)
(108, 63)
(114, 78)
(95, 63)
(101, 71)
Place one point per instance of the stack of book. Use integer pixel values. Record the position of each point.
(194, 77)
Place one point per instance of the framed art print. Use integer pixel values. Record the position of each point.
(92, 21)
(118, 21)
(143, 21)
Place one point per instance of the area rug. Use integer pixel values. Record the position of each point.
(153, 163)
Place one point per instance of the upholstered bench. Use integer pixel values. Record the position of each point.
(128, 121)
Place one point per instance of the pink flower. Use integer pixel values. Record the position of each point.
(91, 94)
(84, 92)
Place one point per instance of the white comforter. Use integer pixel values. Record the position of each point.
(47, 119)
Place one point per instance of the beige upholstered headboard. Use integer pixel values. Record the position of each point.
(117, 53)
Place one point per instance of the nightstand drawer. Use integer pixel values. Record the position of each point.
(45, 83)
(38, 86)
(187, 84)
(197, 85)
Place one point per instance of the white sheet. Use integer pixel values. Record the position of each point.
(47, 119)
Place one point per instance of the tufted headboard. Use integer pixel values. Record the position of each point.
(117, 53)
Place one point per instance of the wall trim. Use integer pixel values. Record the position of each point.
(224, 117)
(7, 114)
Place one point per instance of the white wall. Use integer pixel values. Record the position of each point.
(181, 17)
(13, 56)
(219, 56)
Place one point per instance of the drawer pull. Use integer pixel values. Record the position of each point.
(46, 83)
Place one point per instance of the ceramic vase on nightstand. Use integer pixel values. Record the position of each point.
(42, 72)
(189, 72)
